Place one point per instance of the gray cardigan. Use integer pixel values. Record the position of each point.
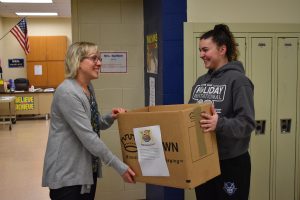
(72, 141)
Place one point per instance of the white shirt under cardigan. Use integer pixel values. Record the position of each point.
(72, 141)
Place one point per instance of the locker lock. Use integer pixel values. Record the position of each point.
(260, 127)
(285, 125)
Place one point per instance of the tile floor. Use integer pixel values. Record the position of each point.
(21, 160)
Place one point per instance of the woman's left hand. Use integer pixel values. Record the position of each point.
(128, 176)
(116, 111)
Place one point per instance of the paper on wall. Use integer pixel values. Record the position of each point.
(38, 70)
(151, 91)
(151, 155)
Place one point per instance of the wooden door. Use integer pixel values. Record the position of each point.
(56, 73)
(37, 73)
(37, 48)
(56, 47)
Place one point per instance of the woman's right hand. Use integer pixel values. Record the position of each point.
(209, 122)
(128, 176)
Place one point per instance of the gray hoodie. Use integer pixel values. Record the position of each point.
(231, 92)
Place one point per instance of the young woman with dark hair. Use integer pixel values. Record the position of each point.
(231, 94)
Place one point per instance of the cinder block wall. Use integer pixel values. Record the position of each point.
(115, 26)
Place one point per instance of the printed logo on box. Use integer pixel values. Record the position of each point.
(129, 143)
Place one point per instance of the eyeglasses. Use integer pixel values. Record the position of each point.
(94, 58)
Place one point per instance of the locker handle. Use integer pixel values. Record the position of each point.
(260, 127)
(261, 44)
(288, 44)
(285, 125)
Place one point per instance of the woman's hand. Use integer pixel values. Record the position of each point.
(209, 122)
(128, 176)
(116, 111)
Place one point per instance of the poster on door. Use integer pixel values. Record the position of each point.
(152, 53)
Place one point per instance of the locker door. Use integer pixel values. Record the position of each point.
(241, 43)
(286, 118)
(260, 145)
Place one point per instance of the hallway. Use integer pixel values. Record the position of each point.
(21, 160)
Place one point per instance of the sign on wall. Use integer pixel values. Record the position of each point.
(113, 62)
(151, 91)
(16, 63)
(24, 103)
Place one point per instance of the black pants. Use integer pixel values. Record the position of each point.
(73, 192)
(232, 184)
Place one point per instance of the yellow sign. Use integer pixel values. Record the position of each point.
(24, 103)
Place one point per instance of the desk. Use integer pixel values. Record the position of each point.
(31, 103)
(9, 100)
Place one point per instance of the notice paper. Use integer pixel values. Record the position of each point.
(151, 91)
(38, 70)
(151, 155)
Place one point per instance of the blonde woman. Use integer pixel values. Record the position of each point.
(75, 152)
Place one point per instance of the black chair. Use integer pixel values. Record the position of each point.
(21, 84)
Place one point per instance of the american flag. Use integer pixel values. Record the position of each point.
(20, 32)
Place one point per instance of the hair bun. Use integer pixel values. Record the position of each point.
(221, 27)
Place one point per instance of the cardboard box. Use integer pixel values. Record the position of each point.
(191, 156)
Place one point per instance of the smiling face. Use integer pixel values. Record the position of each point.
(89, 66)
(212, 55)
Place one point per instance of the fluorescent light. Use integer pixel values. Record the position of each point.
(35, 14)
(26, 1)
